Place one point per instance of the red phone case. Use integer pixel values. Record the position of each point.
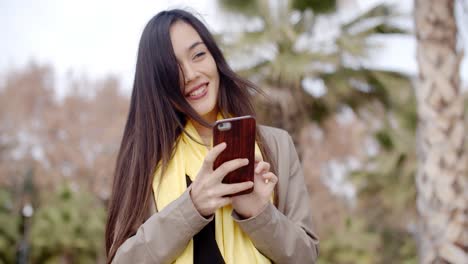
(240, 140)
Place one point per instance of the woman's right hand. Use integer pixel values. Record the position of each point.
(208, 191)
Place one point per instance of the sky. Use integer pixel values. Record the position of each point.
(97, 38)
(89, 37)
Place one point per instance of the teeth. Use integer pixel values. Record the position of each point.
(198, 92)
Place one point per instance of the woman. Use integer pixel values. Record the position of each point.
(168, 204)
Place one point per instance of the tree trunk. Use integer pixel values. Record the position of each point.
(283, 108)
(441, 179)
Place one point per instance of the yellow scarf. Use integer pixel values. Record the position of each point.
(235, 246)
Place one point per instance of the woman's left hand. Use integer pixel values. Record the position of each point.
(249, 205)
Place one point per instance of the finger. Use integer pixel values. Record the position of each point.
(262, 166)
(233, 188)
(212, 155)
(229, 166)
(224, 201)
(270, 177)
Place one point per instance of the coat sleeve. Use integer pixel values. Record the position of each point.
(285, 237)
(164, 235)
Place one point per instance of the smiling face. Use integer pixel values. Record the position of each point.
(198, 71)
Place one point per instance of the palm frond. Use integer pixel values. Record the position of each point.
(246, 7)
(318, 6)
(379, 11)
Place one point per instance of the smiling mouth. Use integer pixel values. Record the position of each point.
(198, 92)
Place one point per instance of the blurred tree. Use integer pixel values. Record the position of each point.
(9, 226)
(28, 200)
(68, 228)
(63, 138)
(285, 50)
(84, 133)
(70, 140)
(352, 243)
(289, 49)
(25, 99)
(442, 170)
(385, 185)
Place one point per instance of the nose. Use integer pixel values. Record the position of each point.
(189, 73)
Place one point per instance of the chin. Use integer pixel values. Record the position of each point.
(205, 108)
(205, 112)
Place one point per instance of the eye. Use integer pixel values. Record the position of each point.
(199, 55)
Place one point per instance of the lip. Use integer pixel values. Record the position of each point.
(204, 92)
(195, 88)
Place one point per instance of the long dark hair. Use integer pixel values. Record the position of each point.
(157, 116)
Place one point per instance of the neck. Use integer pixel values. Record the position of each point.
(206, 133)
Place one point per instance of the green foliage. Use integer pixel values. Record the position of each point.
(400, 247)
(69, 225)
(466, 103)
(244, 6)
(386, 187)
(9, 227)
(352, 244)
(318, 6)
(359, 243)
(249, 7)
(384, 140)
(379, 11)
(379, 231)
(357, 87)
(290, 66)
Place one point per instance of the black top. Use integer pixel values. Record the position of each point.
(205, 249)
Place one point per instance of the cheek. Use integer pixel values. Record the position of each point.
(216, 82)
(213, 72)
(215, 76)
(213, 69)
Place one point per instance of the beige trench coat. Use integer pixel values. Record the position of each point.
(283, 234)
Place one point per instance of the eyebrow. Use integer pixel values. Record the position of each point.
(194, 45)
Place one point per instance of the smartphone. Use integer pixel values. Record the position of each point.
(239, 135)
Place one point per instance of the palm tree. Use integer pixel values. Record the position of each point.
(286, 53)
(441, 179)
(302, 53)
(386, 189)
